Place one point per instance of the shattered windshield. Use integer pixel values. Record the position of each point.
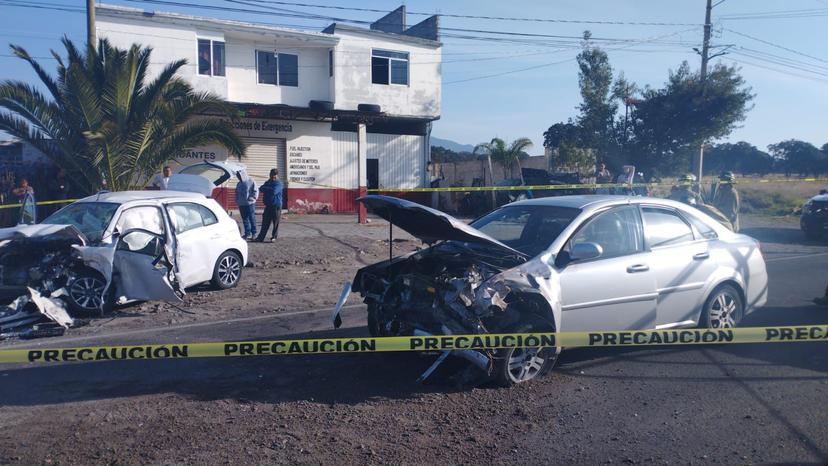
(91, 218)
(530, 229)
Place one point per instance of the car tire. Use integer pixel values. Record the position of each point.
(227, 271)
(723, 309)
(518, 365)
(85, 294)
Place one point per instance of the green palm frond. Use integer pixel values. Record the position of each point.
(103, 119)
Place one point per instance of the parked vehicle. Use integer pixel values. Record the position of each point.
(121, 246)
(567, 263)
(814, 218)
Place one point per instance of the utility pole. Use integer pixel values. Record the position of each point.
(698, 160)
(90, 24)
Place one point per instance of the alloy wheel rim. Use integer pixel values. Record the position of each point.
(87, 292)
(525, 364)
(229, 269)
(723, 311)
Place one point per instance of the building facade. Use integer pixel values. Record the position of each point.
(337, 111)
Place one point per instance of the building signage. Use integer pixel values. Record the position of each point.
(257, 127)
(303, 166)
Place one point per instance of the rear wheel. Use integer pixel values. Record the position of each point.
(227, 271)
(723, 309)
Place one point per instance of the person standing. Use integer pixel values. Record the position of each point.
(162, 180)
(626, 178)
(602, 176)
(246, 194)
(23, 188)
(726, 198)
(272, 197)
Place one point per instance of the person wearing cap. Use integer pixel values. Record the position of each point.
(272, 197)
(726, 198)
(246, 194)
(682, 191)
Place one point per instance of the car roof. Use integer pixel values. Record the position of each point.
(122, 197)
(596, 201)
(577, 201)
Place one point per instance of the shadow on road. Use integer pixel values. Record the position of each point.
(333, 378)
(353, 378)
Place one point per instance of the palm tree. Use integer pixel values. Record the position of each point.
(102, 121)
(508, 156)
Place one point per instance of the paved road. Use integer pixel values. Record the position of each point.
(728, 404)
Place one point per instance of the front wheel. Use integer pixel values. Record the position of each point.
(85, 294)
(723, 309)
(517, 365)
(227, 271)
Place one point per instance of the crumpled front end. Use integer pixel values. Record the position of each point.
(447, 290)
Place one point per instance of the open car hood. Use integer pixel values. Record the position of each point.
(44, 231)
(427, 224)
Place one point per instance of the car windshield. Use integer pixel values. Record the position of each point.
(530, 228)
(91, 218)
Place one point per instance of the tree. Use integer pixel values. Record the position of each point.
(668, 124)
(740, 157)
(562, 133)
(575, 159)
(104, 122)
(442, 154)
(507, 155)
(597, 109)
(799, 156)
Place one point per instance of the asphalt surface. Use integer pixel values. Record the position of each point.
(735, 404)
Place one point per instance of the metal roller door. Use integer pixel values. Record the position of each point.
(264, 154)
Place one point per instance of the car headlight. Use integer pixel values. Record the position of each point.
(806, 209)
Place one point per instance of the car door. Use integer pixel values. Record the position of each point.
(616, 290)
(138, 276)
(143, 269)
(196, 235)
(681, 262)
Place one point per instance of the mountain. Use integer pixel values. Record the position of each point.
(451, 145)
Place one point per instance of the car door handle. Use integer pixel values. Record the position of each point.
(638, 268)
(701, 256)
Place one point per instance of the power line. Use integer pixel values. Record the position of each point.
(776, 45)
(492, 18)
(520, 70)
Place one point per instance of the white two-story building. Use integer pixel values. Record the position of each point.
(337, 111)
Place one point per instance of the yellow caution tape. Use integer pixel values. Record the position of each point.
(421, 343)
(62, 201)
(571, 186)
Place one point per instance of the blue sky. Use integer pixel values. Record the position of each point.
(791, 85)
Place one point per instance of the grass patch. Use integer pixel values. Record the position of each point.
(767, 202)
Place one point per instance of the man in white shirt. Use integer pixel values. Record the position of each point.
(161, 180)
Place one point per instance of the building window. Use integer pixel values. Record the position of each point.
(330, 63)
(278, 69)
(389, 67)
(210, 57)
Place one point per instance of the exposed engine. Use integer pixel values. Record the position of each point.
(437, 290)
(43, 264)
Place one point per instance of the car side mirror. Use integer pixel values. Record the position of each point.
(585, 251)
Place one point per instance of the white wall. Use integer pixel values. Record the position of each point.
(170, 42)
(353, 76)
(243, 79)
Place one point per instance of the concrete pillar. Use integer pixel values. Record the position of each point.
(362, 155)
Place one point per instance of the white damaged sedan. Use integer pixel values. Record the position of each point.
(569, 263)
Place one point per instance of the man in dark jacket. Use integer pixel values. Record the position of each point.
(272, 196)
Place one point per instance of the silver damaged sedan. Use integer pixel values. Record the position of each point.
(569, 263)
